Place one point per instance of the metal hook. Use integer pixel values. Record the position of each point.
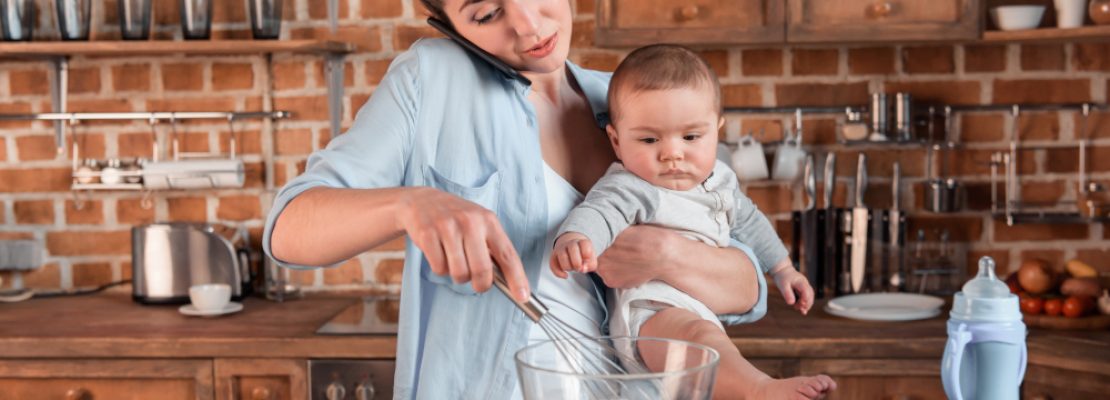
(153, 138)
(147, 203)
(173, 136)
(233, 136)
(78, 202)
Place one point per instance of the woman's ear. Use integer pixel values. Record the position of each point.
(613, 140)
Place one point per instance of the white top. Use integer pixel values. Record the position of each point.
(572, 300)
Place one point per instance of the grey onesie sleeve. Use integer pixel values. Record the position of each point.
(751, 227)
(618, 200)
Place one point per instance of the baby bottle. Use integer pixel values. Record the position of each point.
(985, 354)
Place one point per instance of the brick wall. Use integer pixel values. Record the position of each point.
(89, 245)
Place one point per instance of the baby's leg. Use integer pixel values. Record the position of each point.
(736, 377)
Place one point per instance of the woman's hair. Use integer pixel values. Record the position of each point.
(660, 67)
(436, 8)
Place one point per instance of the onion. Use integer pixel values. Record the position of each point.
(1035, 276)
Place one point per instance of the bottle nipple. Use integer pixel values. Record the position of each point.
(986, 283)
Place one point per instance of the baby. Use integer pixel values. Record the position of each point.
(665, 111)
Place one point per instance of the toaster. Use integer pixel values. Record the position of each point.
(168, 258)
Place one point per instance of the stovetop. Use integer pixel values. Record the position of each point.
(371, 316)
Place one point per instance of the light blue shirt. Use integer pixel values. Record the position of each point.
(443, 119)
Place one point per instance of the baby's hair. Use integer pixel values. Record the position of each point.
(660, 67)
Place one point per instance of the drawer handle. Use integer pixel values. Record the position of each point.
(78, 394)
(260, 393)
(688, 13)
(879, 10)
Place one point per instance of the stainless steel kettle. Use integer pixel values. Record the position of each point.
(168, 258)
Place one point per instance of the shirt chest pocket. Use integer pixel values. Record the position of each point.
(484, 192)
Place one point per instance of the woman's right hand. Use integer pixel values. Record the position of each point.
(463, 239)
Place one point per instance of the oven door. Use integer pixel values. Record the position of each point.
(350, 379)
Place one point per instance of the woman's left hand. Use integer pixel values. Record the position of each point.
(639, 254)
(723, 278)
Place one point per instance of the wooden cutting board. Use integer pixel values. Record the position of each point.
(1088, 323)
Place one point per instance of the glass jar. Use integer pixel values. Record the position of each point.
(87, 172)
(17, 18)
(110, 175)
(133, 171)
(1100, 11)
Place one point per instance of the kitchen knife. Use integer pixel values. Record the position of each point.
(830, 257)
(810, 261)
(897, 280)
(859, 226)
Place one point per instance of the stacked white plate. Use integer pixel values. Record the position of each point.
(885, 306)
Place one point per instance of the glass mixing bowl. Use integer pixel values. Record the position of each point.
(552, 369)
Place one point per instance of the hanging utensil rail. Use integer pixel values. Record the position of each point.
(146, 116)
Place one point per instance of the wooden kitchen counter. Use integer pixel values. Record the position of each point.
(110, 325)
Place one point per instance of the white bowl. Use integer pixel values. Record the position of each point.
(1014, 18)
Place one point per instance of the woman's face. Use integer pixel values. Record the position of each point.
(529, 35)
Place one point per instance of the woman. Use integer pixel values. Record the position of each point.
(478, 169)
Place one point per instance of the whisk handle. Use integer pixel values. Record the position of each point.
(533, 308)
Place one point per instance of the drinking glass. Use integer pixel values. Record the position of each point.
(196, 19)
(265, 18)
(17, 19)
(73, 18)
(134, 19)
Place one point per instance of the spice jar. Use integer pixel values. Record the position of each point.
(111, 173)
(87, 172)
(134, 171)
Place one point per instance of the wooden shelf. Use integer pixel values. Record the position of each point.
(1085, 33)
(162, 47)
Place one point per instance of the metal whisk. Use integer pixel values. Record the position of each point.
(586, 355)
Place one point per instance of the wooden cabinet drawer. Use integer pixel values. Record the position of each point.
(880, 378)
(105, 379)
(261, 379)
(882, 20)
(639, 14)
(640, 22)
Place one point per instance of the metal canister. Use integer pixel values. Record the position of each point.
(879, 114)
(903, 117)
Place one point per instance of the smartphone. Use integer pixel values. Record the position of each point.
(473, 48)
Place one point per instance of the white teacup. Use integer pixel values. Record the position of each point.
(210, 296)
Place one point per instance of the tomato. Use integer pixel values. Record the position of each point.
(1032, 304)
(1077, 306)
(1012, 282)
(1053, 306)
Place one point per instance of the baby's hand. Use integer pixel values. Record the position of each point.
(795, 289)
(573, 252)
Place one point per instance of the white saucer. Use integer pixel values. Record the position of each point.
(231, 307)
(885, 306)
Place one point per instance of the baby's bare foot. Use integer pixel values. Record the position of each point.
(797, 388)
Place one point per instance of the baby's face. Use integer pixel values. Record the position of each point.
(667, 137)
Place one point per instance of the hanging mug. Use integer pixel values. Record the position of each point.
(788, 158)
(748, 161)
